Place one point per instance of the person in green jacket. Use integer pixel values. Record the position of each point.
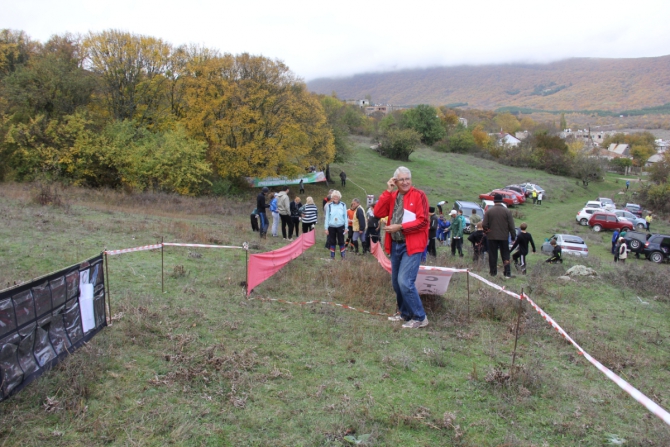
(456, 233)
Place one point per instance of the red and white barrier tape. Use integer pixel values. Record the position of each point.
(130, 250)
(171, 244)
(627, 387)
(328, 303)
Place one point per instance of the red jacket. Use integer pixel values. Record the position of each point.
(415, 232)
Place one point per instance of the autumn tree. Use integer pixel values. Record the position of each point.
(131, 72)
(256, 118)
(399, 144)
(660, 171)
(481, 137)
(507, 122)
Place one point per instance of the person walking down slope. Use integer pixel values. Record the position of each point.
(343, 177)
(521, 243)
(336, 220)
(284, 210)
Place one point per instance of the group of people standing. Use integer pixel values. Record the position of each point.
(291, 213)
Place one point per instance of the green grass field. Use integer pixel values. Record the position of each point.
(203, 365)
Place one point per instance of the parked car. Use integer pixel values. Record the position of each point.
(657, 248)
(635, 241)
(518, 188)
(593, 204)
(486, 204)
(585, 214)
(608, 204)
(519, 195)
(532, 186)
(634, 208)
(604, 220)
(570, 244)
(467, 208)
(509, 198)
(638, 222)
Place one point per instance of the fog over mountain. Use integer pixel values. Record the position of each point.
(571, 84)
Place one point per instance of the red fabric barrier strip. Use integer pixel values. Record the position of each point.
(261, 266)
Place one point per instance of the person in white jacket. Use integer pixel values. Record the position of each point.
(284, 210)
(623, 250)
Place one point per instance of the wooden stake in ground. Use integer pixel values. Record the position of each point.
(109, 302)
(468, 280)
(516, 331)
(162, 269)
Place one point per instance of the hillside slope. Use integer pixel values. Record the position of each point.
(573, 84)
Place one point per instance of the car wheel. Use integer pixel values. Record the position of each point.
(597, 228)
(635, 244)
(656, 257)
(641, 227)
(584, 221)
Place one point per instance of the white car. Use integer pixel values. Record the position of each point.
(608, 204)
(570, 245)
(593, 204)
(584, 215)
(486, 204)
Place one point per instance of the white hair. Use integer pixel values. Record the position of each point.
(402, 170)
(336, 193)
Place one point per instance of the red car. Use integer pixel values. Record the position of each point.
(519, 195)
(603, 220)
(509, 197)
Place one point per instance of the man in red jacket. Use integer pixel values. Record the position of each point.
(406, 239)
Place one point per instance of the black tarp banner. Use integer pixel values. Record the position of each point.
(43, 321)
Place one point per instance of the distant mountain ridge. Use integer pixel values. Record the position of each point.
(571, 84)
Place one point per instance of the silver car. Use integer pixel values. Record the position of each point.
(570, 244)
(639, 223)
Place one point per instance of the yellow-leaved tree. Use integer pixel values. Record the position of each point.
(256, 117)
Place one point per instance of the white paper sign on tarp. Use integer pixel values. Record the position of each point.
(86, 302)
(432, 282)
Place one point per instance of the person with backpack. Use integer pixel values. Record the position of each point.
(335, 223)
(478, 240)
(615, 238)
(357, 224)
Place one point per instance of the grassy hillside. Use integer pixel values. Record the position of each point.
(203, 365)
(574, 84)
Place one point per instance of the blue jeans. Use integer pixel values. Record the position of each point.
(264, 223)
(404, 269)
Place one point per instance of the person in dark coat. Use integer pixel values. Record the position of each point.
(432, 232)
(260, 209)
(498, 224)
(343, 177)
(478, 240)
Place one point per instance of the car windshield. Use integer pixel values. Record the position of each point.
(573, 240)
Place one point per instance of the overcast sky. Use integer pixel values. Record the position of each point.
(340, 38)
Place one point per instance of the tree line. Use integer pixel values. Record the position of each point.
(118, 109)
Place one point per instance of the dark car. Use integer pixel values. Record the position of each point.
(634, 208)
(467, 208)
(635, 241)
(518, 188)
(657, 248)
